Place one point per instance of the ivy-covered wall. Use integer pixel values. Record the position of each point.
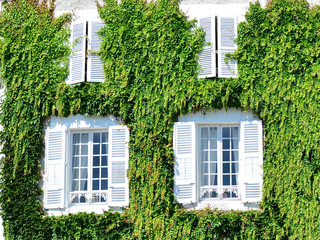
(150, 54)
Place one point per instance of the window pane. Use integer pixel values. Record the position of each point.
(84, 173)
(213, 168)
(104, 172)
(204, 133)
(104, 184)
(234, 180)
(104, 161)
(204, 144)
(75, 149)
(226, 168)
(95, 172)
(83, 185)
(205, 180)
(104, 137)
(226, 144)
(96, 149)
(204, 156)
(96, 137)
(213, 143)
(213, 132)
(75, 162)
(84, 161)
(235, 167)
(84, 138)
(214, 180)
(226, 156)
(205, 168)
(235, 156)
(76, 138)
(96, 161)
(226, 180)
(213, 156)
(84, 149)
(235, 132)
(234, 143)
(83, 199)
(226, 132)
(75, 173)
(95, 185)
(75, 186)
(104, 149)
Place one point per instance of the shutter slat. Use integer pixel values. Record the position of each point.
(119, 157)
(54, 169)
(185, 162)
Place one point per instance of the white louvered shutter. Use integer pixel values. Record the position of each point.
(252, 160)
(54, 192)
(95, 66)
(119, 159)
(207, 58)
(77, 59)
(185, 162)
(227, 32)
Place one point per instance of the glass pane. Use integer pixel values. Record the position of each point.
(83, 185)
(235, 132)
(205, 168)
(235, 156)
(103, 199)
(96, 161)
(213, 168)
(204, 156)
(226, 132)
(204, 133)
(84, 149)
(225, 143)
(84, 161)
(205, 180)
(213, 143)
(226, 180)
(213, 156)
(234, 143)
(95, 185)
(83, 199)
(104, 172)
(96, 149)
(96, 137)
(234, 179)
(96, 173)
(104, 137)
(75, 150)
(75, 173)
(104, 161)
(104, 184)
(75, 186)
(213, 132)
(226, 168)
(75, 162)
(214, 180)
(84, 173)
(226, 156)
(84, 138)
(76, 138)
(104, 149)
(204, 144)
(235, 167)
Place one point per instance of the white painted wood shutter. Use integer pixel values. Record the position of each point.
(252, 160)
(207, 58)
(77, 59)
(95, 66)
(119, 159)
(55, 164)
(227, 32)
(184, 139)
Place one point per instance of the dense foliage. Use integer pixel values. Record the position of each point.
(150, 54)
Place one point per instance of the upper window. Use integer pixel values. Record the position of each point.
(218, 158)
(212, 58)
(85, 163)
(85, 64)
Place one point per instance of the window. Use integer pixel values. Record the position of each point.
(218, 158)
(222, 42)
(85, 64)
(86, 159)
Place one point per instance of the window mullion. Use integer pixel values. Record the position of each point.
(219, 156)
(90, 151)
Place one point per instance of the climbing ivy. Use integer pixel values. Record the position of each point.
(150, 55)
